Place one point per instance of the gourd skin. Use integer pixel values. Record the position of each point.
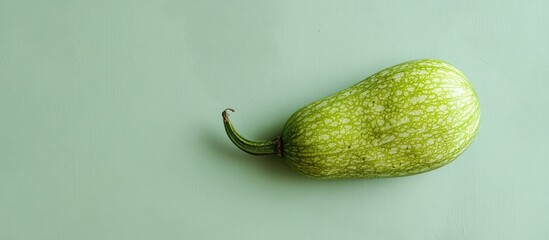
(407, 119)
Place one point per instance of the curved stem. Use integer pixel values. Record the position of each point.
(269, 147)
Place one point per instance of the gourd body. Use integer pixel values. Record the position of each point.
(407, 119)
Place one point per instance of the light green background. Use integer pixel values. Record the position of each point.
(110, 118)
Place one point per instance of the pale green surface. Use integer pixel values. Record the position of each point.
(110, 119)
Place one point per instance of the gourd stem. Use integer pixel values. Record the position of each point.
(268, 147)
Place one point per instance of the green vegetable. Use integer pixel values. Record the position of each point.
(407, 119)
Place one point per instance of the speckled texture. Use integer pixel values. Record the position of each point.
(407, 119)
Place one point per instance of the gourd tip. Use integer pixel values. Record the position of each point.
(225, 114)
